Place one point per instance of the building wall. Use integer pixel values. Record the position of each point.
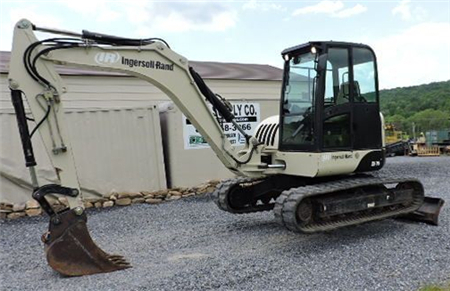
(109, 92)
(114, 150)
(189, 167)
(118, 92)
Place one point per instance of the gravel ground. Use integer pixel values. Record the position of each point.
(190, 244)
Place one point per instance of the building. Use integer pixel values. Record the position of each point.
(106, 105)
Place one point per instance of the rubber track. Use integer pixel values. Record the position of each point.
(220, 197)
(286, 203)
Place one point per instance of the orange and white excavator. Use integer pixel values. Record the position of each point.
(310, 164)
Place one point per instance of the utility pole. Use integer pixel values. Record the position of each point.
(414, 130)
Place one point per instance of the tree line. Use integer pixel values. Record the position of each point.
(425, 107)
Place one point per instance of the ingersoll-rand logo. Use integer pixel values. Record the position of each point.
(107, 58)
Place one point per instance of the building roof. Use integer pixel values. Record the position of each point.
(208, 70)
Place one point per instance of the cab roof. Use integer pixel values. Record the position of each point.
(321, 44)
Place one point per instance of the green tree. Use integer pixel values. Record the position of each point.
(428, 106)
(430, 119)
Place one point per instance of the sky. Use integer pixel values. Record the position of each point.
(411, 38)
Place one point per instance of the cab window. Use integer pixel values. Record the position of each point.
(298, 102)
(364, 75)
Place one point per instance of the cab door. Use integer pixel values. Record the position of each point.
(350, 109)
(366, 107)
(336, 107)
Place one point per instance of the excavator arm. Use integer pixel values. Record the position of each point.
(69, 247)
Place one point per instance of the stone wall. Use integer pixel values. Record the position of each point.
(32, 208)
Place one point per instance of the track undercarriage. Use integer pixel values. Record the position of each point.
(311, 205)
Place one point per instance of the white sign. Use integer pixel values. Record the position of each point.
(247, 116)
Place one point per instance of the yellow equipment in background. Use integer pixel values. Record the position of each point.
(392, 135)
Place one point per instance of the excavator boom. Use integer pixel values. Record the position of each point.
(69, 247)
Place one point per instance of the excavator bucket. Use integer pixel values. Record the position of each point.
(71, 251)
(69, 247)
(428, 212)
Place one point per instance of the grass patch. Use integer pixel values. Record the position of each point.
(435, 288)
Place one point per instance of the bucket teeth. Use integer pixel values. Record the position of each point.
(114, 257)
(118, 260)
(72, 252)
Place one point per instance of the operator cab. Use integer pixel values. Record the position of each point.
(330, 98)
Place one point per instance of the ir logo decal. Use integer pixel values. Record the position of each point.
(107, 58)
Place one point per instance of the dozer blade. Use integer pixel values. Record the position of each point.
(428, 212)
(71, 251)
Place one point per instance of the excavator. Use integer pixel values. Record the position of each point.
(311, 164)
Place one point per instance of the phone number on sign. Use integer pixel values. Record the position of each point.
(231, 127)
